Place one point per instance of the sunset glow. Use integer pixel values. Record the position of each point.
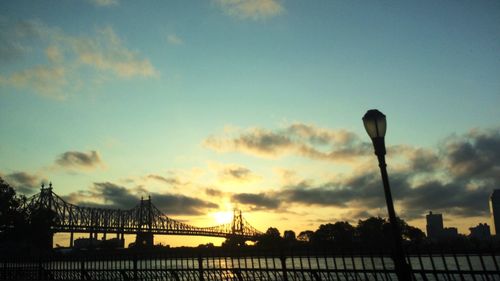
(223, 217)
(210, 105)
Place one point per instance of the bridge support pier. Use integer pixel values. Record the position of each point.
(144, 239)
(71, 240)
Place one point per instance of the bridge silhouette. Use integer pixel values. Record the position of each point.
(144, 220)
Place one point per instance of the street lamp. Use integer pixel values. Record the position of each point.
(376, 125)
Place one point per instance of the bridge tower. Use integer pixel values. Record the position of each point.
(235, 239)
(43, 218)
(237, 225)
(144, 237)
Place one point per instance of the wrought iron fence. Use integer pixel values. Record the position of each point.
(249, 265)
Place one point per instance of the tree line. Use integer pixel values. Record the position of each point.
(368, 233)
(22, 229)
(29, 230)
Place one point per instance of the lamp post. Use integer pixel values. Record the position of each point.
(376, 125)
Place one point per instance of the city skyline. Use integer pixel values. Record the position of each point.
(255, 104)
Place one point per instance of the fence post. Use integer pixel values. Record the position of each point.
(200, 267)
(82, 269)
(283, 267)
(40, 268)
(135, 267)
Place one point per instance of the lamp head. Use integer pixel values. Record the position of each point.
(376, 125)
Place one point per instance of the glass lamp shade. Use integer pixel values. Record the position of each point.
(375, 123)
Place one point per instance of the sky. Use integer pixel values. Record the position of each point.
(212, 105)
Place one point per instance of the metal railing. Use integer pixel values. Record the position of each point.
(248, 265)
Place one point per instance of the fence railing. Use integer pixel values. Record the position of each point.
(217, 265)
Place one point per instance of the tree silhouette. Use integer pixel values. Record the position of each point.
(340, 233)
(271, 239)
(411, 233)
(13, 219)
(374, 231)
(305, 236)
(289, 236)
(233, 242)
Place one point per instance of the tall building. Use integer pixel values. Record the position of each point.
(495, 210)
(434, 226)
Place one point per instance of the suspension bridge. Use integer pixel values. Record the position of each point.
(144, 220)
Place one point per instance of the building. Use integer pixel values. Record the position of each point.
(495, 210)
(93, 243)
(449, 233)
(434, 225)
(481, 232)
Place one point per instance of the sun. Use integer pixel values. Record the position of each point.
(223, 217)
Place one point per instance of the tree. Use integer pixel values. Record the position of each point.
(234, 242)
(414, 234)
(13, 219)
(305, 236)
(9, 205)
(273, 232)
(289, 236)
(271, 239)
(340, 233)
(374, 231)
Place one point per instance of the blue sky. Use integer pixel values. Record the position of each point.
(254, 99)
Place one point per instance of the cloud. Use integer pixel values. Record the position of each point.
(118, 196)
(70, 61)
(358, 191)
(251, 9)
(76, 159)
(174, 39)
(106, 52)
(104, 3)
(213, 192)
(12, 38)
(475, 155)
(452, 198)
(456, 178)
(48, 81)
(257, 201)
(169, 180)
(176, 204)
(110, 195)
(297, 139)
(423, 160)
(23, 182)
(235, 173)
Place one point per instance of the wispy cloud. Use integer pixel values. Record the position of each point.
(107, 52)
(251, 9)
(297, 139)
(104, 3)
(168, 180)
(79, 160)
(173, 39)
(47, 80)
(233, 173)
(67, 56)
